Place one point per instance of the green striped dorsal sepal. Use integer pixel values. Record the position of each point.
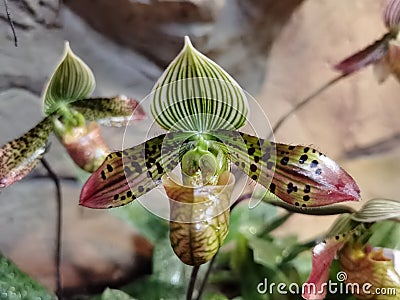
(195, 94)
(72, 80)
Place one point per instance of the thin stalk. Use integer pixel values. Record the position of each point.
(57, 254)
(306, 100)
(11, 23)
(317, 211)
(205, 279)
(193, 277)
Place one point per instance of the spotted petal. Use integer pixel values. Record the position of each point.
(298, 175)
(20, 156)
(195, 94)
(370, 55)
(128, 174)
(72, 80)
(116, 111)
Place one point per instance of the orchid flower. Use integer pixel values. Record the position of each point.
(371, 269)
(201, 107)
(384, 54)
(67, 109)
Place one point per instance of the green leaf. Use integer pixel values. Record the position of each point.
(214, 296)
(152, 288)
(110, 294)
(377, 210)
(150, 226)
(195, 94)
(16, 285)
(167, 267)
(265, 252)
(385, 234)
(250, 221)
(71, 81)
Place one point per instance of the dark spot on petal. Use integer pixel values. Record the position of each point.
(303, 158)
(136, 166)
(254, 177)
(306, 198)
(110, 168)
(251, 151)
(253, 167)
(256, 159)
(285, 160)
(318, 171)
(272, 188)
(103, 175)
(119, 154)
(140, 189)
(266, 156)
(123, 198)
(129, 194)
(128, 171)
(270, 165)
(291, 147)
(314, 163)
(307, 188)
(297, 204)
(116, 196)
(306, 149)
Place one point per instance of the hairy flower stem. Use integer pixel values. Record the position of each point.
(205, 279)
(11, 23)
(306, 101)
(57, 254)
(192, 282)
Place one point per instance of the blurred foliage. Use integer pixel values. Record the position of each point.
(251, 257)
(16, 285)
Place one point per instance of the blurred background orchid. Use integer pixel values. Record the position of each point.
(372, 273)
(68, 109)
(384, 54)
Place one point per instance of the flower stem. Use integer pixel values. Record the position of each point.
(205, 279)
(193, 277)
(57, 254)
(306, 100)
(317, 211)
(11, 23)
